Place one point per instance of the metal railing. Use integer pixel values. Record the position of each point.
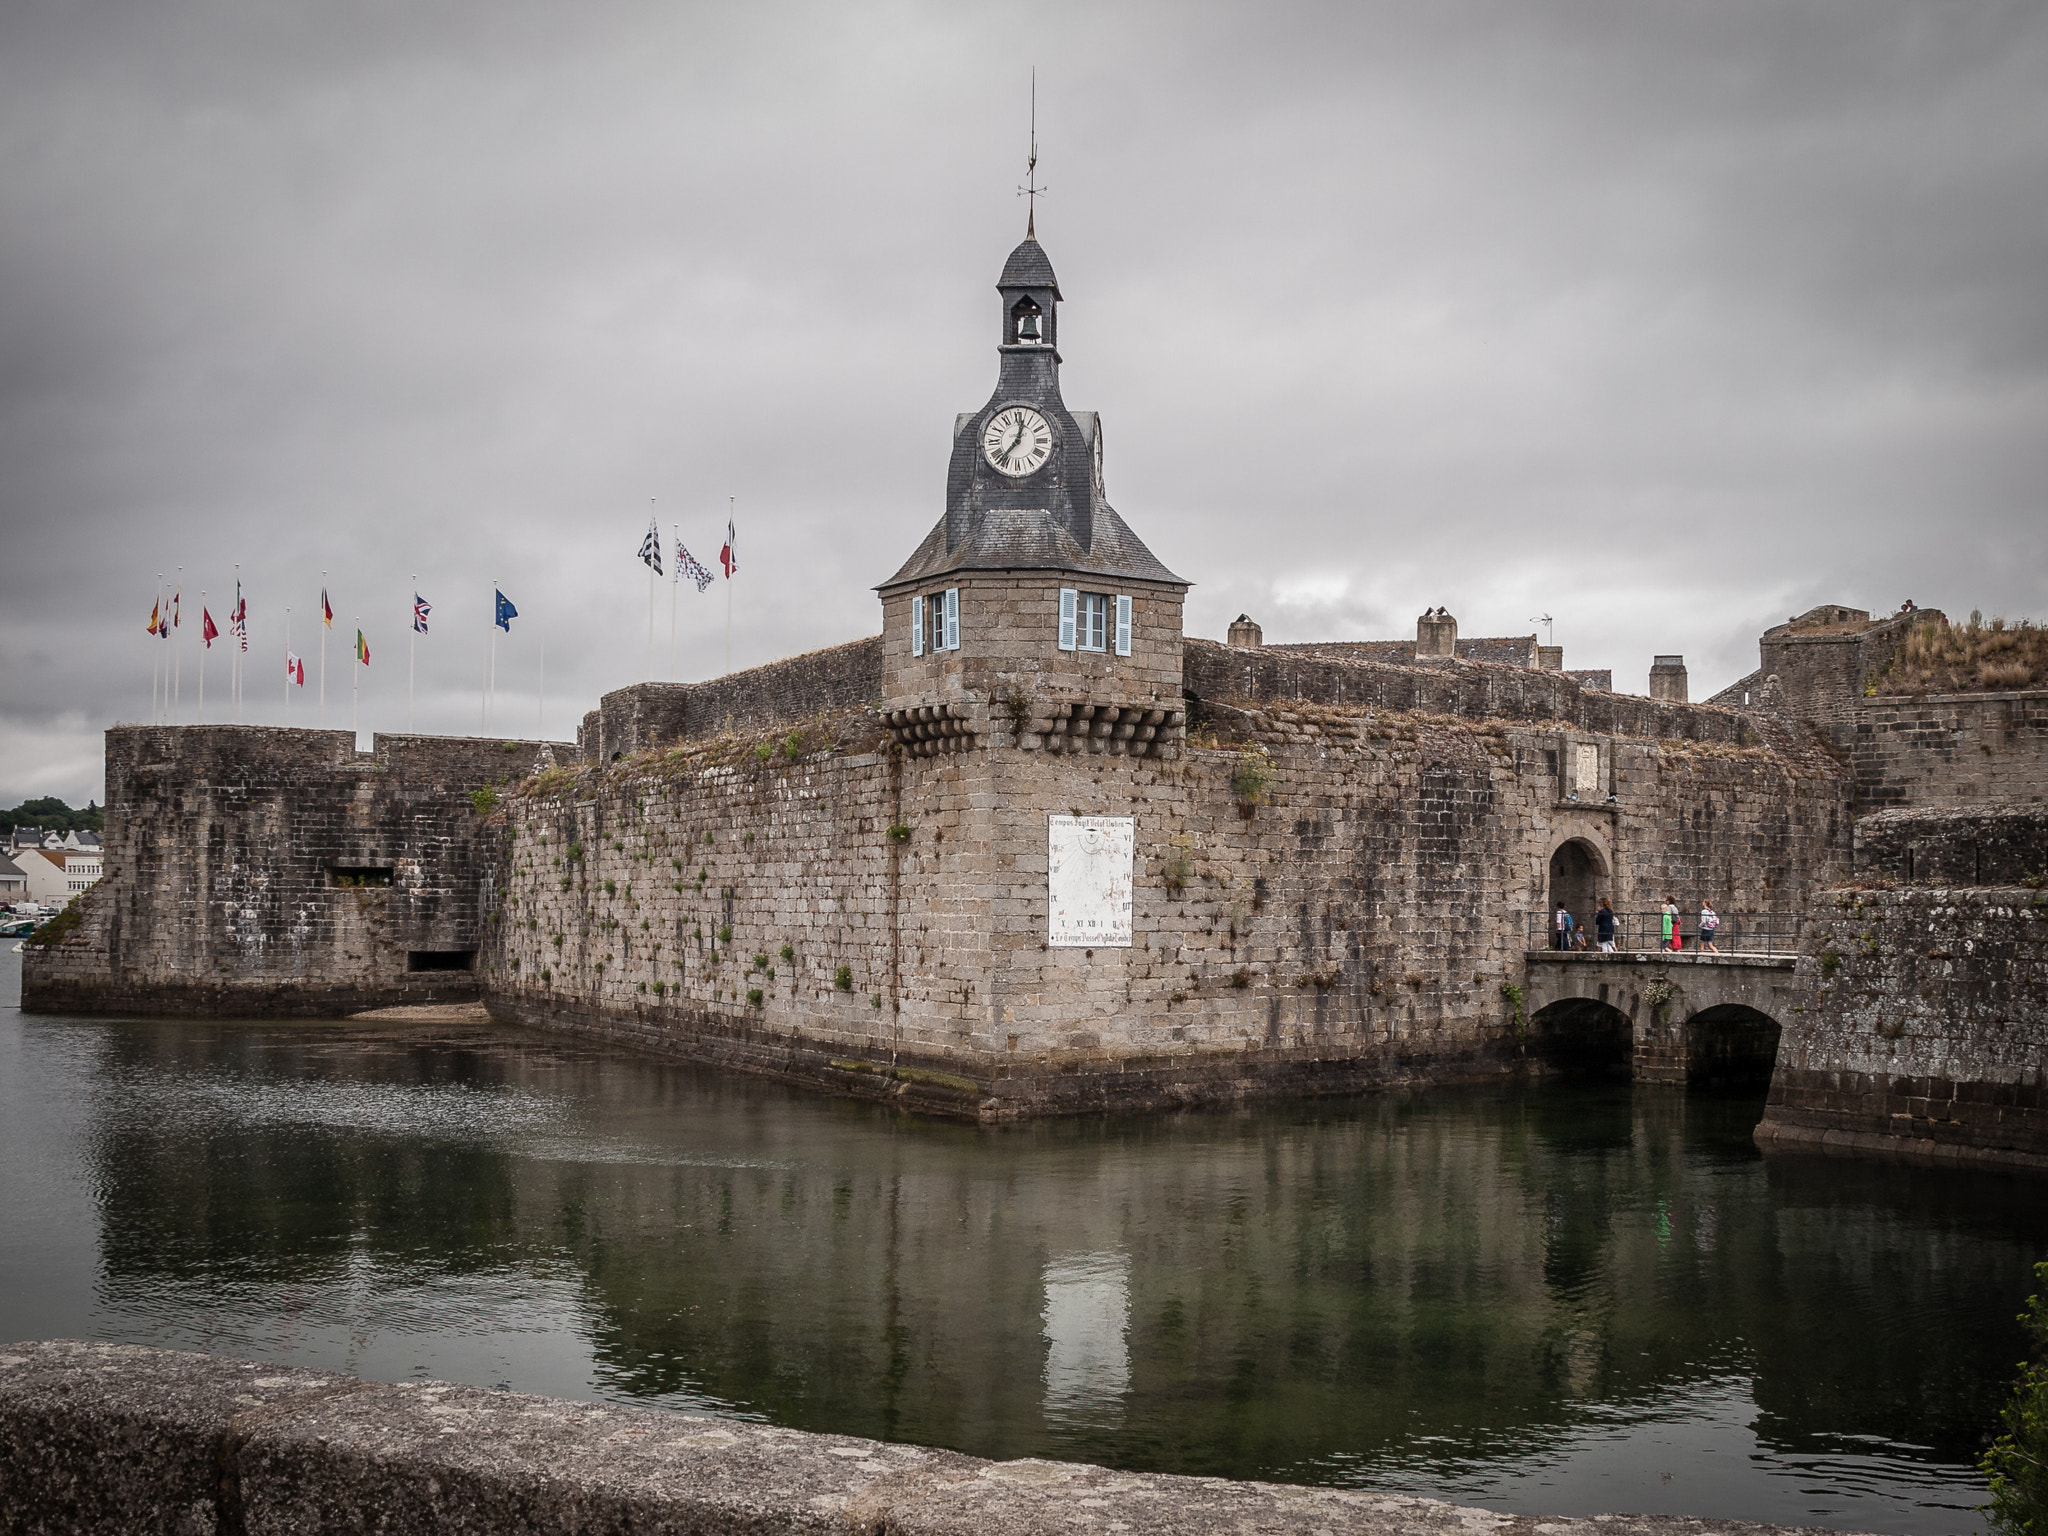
(1748, 933)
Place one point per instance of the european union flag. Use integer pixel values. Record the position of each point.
(506, 613)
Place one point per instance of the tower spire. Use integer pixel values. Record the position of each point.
(1031, 190)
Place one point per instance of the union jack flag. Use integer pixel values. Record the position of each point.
(686, 565)
(420, 609)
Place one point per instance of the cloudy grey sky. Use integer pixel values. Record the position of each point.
(1665, 320)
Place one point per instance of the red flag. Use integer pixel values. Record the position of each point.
(206, 630)
(726, 557)
(294, 669)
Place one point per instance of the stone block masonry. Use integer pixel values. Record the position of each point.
(1921, 1026)
(1923, 1033)
(875, 921)
(118, 1438)
(280, 872)
(649, 715)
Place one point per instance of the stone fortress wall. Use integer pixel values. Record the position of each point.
(252, 870)
(1356, 927)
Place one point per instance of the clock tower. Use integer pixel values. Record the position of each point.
(1031, 615)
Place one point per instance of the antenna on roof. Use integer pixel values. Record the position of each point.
(1031, 189)
(1544, 620)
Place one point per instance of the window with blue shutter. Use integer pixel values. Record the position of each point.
(1091, 621)
(917, 626)
(1068, 596)
(1123, 626)
(952, 618)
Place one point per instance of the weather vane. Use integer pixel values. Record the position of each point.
(1031, 189)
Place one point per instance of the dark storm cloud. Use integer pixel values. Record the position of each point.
(1664, 320)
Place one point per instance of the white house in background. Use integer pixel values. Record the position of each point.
(55, 875)
(13, 883)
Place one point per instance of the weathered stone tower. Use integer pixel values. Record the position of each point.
(1031, 602)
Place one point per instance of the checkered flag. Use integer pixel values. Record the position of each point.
(686, 565)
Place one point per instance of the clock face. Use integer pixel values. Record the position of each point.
(1017, 440)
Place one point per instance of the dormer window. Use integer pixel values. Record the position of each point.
(1027, 324)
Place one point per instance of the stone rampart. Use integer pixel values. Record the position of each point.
(1922, 1031)
(1353, 927)
(1469, 690)
(1947, 750)
(117, 1438)
(648, 715)
(281, 872)
(2006, 846)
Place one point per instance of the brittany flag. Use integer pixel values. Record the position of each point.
(362, 649)
(207, 632)
(295, 668)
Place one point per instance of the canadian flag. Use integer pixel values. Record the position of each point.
(295, 668)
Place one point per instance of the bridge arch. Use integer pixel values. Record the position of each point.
(1730, 1045)
(1580, 874)
(1584, 1037)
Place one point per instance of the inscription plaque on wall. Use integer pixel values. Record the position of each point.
(1088, 862)
(1587, 782)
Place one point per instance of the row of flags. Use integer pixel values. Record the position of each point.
(686, 563)
(166, 615)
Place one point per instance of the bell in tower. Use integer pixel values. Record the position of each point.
(1028, 332)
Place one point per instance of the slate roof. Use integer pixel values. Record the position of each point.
(1029, 267)
(1033, 540)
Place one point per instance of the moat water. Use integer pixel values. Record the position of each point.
(1549, 1298)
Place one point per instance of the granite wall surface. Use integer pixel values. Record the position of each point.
(1354, 925)
(279, 872)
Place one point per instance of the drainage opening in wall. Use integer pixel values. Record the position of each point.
(359, 874)
(440, 959)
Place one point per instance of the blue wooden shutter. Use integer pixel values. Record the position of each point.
(1123, 626)
(917, 626)
(952, 618)
(1067, 598)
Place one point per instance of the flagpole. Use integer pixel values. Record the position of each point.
(491, 665)
(241, 629)
(355, 685)
(654, 529)
(412, 638)
(201, 719)
(675, 586)
(733, 565)
(540, 719)
(155, 661)
(323, 648)
(287, 666)
(177, 644)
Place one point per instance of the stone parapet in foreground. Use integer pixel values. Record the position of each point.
(114, 1437)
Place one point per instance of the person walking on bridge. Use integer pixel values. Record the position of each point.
(1674, 931)
(1561, 922)
(1710, 923)
(1603, 927)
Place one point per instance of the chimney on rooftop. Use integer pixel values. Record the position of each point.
(1667, 679)
(1244, 634)
(1436, 634)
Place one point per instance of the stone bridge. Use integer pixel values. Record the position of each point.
(1664, 1017)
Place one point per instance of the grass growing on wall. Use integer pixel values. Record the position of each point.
(2017, 1462)
(1966, 658)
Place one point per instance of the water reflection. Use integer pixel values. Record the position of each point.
(1087, 1355)
(1563, 1299)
